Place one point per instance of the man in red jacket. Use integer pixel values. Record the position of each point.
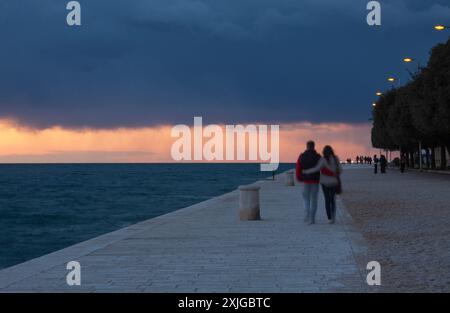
(307, 160)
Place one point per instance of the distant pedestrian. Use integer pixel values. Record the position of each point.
(402, 163)
(375, 162)
(357, 159)
(330, 169)
(383, 164)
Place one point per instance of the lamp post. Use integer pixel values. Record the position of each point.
(408, 60)
(411, 60)
(420, 155)
(392, 80)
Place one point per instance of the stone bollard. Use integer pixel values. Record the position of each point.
(249, 203)
(289, 178)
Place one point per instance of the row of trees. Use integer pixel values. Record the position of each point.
(418, 112)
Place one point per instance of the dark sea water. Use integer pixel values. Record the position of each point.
(47, 207)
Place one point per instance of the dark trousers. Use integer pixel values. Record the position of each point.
(376, 168)
(330, 200)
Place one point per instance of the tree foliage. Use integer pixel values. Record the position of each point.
(418, 111)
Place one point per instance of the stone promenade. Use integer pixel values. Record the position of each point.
(205, 248)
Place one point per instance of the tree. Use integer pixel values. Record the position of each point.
(381, 137)
(431, 100)
(418, 111)
(401, 130)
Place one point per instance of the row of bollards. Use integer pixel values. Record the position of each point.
(249, 208)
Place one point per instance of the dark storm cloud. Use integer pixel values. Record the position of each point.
(144, 62)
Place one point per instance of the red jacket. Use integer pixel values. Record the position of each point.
(299, 169)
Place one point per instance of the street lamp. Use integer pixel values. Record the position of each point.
(379, 93)
(408, 60)
(374, 104)
(393, 81)
(441, 27)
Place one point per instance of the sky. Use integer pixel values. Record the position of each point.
(111, 89)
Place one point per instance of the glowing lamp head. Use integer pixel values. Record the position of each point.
(408, 60)
(391, 79)
(374, 104)
(439, 27)
(379, 93)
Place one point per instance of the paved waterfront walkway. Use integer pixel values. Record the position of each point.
(405, 221)
(205, 248)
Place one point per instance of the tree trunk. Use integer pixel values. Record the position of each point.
(446, 162)
(428, 159)
(406, 158)
(443, 158)
(433, 158)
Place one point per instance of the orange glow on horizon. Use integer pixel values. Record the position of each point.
(19, 144)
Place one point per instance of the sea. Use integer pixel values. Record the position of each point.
(47, 207)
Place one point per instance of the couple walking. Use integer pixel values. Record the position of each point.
(313, 169)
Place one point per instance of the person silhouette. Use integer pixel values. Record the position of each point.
(375, 162)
